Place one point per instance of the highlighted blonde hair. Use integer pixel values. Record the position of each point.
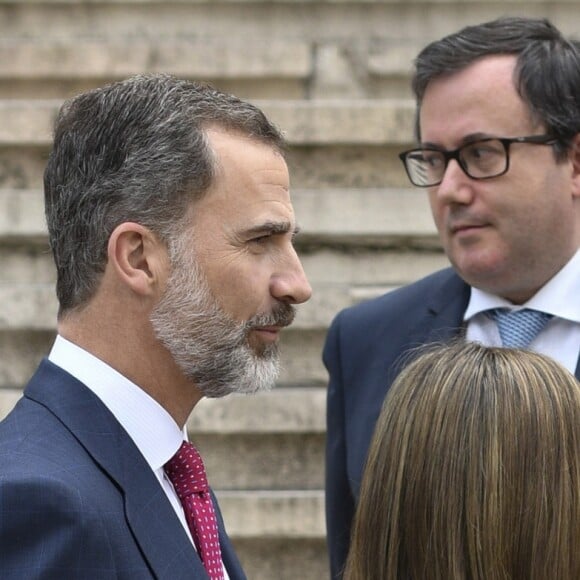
(473, 471)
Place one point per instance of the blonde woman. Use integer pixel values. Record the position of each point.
(473, 471)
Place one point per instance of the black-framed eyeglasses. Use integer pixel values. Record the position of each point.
(481, 159)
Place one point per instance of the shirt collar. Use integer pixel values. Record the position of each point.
(150, 426)
(559, 296)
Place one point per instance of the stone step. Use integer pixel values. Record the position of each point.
(116, 58)
(325, 20)
(22, 167)
(285, 559)
(286, 514)
(40, 68)
(60, 67)
(293, 48)
(22, 216)
(364, 217)
(271, 460)
(316, 122)
(20, 353)
(361, 217)
(278, 535)
(279, 434)
(282, 410)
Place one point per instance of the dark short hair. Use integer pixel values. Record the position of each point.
(137, 151)
(547, 74)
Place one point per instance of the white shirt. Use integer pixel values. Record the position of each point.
(560, 296)
(150, 426)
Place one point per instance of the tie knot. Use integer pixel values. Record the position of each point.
(186, 471)
(518, 328)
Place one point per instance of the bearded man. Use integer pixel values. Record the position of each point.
(172, 230)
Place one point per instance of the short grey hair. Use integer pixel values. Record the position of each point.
(135, 150)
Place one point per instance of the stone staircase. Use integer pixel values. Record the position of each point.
(334, 75)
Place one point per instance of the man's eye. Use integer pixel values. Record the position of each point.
(430, 159)
(482, 151)
(433, 159)
(260, 239)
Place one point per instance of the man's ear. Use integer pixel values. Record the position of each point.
(138, 257)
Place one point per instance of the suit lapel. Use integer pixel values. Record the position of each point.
(150, 516)
(445, 308)
(153, 521)
(229, 557)
(447, 314)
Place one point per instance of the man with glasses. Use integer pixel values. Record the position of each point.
(498, 130)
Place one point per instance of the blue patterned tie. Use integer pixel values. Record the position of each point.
(519, 327)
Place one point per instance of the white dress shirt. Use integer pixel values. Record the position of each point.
(150, 426)
(560, 338)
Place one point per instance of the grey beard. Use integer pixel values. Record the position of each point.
(210, 348)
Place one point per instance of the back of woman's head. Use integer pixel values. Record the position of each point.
(473, 472)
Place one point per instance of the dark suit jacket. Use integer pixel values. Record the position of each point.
(364, 352)
(77, 498)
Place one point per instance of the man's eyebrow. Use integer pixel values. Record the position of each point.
(472, 137)
(273, 228)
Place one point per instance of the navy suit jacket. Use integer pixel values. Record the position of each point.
(77, 498)
(364, 352)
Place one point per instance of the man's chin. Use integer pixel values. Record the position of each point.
(256, 372)
(263, 350)
(261, 380)
(263, 373)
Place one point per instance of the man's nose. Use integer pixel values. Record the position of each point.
(291, 285)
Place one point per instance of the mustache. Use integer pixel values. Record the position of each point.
(460, 215)
(282, 315)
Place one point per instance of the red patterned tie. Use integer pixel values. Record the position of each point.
(187, 474)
